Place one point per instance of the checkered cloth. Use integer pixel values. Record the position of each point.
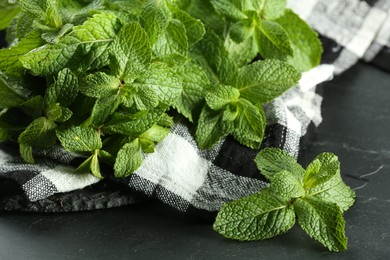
(193, 180)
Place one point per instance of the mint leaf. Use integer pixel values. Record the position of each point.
(220, 96)
(99, 85)
(286, 186)
(40, 133)
(11, 91)
(334, 191)
(26, 153)
(103, 108)
(230, 8)
(212, 56)
(50, 58)
(262, 81)
(194, 27)
(155, 134)
(9, 58)
(91, 165)
(322, 221)
(194, 81)
(95, 166)
(273, 41)
(142, 97)
(33, 107)
(132, 52)
(133, 124)
(163, 81)
(269, 9)
(92, 39)
(173, 40)
(129, 159)
(258, 216)
(64, 90)
(211, 128)
(8, 11)
(271, 161)
(155, 17)
(321, 170)
(249, 125)
(323, 181)
(96, 36)
(80, 139)
(304, 42)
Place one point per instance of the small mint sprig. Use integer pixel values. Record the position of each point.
(317, 196)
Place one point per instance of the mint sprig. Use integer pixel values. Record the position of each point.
(317, 196)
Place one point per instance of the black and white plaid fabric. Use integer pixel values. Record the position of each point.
(185, 177)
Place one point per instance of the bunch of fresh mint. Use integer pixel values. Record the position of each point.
(317, 196)
(103, 78)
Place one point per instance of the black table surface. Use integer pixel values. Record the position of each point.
(355, 127)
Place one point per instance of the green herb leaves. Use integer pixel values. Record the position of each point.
(292, 191)
(106, 75)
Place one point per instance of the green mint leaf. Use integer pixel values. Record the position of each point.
(258, 216)
(286, 186)
(211, 128)
(143, 98)
(322, 221)
(249, 126)
(36, 7)
(232, 9)
(12, 92)
(8, 11)
(133, 124)
(96, 36)
(147, 145)
(241, 30)
(92, 39)
(334, 191)
(173, 40)
(129, 159)
(95, 166)
(220, 96)
(155, 134)
(262, 81)
(304, 41)
(80, 139)
(323, 181)
(49, 59)
(64, 90)
(165, 120)
(273, 41)
(212, 56)
(155, 18)
(269, 9)
(54, 112)
(194, 81)
(26, 153)
(244, 52)
(322, 169)
(204, 11)
(33, 107)
(91, 165)
(9, 58)
(163, 81)
(99, 85)
(271, 161)
(132, 52)
(40, 133)
(103, 108)
(194, 27)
